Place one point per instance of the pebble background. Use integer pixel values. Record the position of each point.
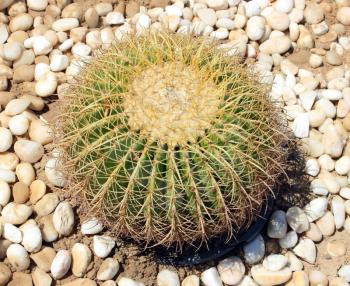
(300, 46)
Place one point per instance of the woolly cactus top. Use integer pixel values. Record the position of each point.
(170, 140)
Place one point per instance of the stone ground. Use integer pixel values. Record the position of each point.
(306, 57)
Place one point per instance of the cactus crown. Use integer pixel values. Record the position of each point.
(170, 140)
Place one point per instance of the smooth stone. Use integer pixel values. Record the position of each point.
(342, 165)
(32, 239)
(61, 264)
(110, 267)
(8, 161)
(5, 274)
(344, 272)
(40, 278)
(306, 250)
(313, 13)
(48, 230)
(16, 106)
(294, 263)
(83, 282)
(211, 277)
(63, 218)
(192, 280)
(25, 173)
(129, 282)
(6, 139)
(275, 262)
(29, 151)
(314, 233)
(208, 16)
(231, 270)
(312, 167)
(317, 278)
(19, 124)
(5, 193)
(277, 226)
(81, 258)
(338, 281)
(301, 125)
(278, 21)
(254, 251)
(20, 193)
(333, 58)
(297, 219)
(316, 208)
(338, 210)
(7, 176)
(315, 61)
(65, 24)
(91, 226)
(37, 190)
(46, 205)
(52, 173)
(103, 245)
(336, 248)
(255, 28)
(265, 277)
(289, 240)
(275, 45)
(37, 5)
(11, 233)
(43, 259)
(47, 85)
(326, 224)
(16, 213)
(41, 46)
(18, 257)
(343, 15)
(59, 63)
(344, 193)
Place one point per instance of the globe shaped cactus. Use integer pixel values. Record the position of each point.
(170, 140)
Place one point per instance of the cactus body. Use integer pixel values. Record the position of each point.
(170, 140)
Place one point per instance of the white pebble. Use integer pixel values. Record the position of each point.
(59, 63)
(6, 139)
(289, 240)
(275, 262)
(19, 124)
(168, 278)
(91, 226)
(5, 193)
(114, 18)
(338, 210)
(103, 245)
(316, 209)
(18, 257)
(342, 166)
(211, 277)
(65, 24)
(41, 45)
(63, 218)
(311, 167)
(306, 250)
(231, 270)
(81, 257)
(52, 173)
(32, 239)
(301, 125)
(37, 5)
(16, 213)
(7, 176)
(12, 233)
(61, 264)
(47, 85)
(29, 151)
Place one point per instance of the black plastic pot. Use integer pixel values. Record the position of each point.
(216, 248)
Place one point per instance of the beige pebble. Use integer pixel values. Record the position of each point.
(25, 173)
(20, 192)
(336, 248)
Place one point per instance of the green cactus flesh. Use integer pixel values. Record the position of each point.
(170, 140)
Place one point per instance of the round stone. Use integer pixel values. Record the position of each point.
(231, 270)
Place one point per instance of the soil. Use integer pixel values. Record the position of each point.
(142, 266)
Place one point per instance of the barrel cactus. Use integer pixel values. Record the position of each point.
(170, 140)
